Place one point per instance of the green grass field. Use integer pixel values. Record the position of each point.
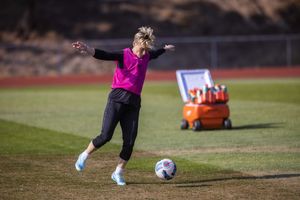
(43, 129)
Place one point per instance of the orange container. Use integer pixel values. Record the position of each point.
(207, 116)
(221, 96)
(206, 98)
(206, 104)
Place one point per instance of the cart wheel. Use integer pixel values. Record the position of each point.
(197, 125)
(227, 124)
(184, 124)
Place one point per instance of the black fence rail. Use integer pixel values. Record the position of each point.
(223, 51)
(191, 52)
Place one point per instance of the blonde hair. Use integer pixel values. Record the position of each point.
(144, 38)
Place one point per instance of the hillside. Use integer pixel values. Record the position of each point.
(120, 18)
(35, 36)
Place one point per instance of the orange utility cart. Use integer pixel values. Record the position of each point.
(205, 103)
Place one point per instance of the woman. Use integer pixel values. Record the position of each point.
(124, 100)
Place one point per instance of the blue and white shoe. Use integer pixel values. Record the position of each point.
(118, 178)
(80, 163)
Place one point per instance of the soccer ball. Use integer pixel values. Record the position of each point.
(165, 169)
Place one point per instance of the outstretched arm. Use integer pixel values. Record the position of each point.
(158, 52)
(97, 53)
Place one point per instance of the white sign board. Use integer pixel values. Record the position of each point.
(190, 79)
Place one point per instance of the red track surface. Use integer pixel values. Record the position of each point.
(151, 76)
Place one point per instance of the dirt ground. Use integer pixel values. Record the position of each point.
(54, 177)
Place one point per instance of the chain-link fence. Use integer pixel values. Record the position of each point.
(48, 58)
(223, 52)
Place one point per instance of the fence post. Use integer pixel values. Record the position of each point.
(213, 54)
(288, 52)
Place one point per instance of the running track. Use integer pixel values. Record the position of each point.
(16, 82)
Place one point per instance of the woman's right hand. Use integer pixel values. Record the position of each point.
(83, 48)
(169, 47)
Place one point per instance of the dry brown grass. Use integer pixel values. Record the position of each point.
(54, 177)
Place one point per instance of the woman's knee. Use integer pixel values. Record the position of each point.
(101, 140)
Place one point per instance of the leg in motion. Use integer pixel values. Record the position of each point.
(110, 119)
(129, 125)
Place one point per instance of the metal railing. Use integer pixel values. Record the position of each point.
(287, 47)
(191, 52)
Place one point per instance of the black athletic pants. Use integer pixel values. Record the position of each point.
(128, 116)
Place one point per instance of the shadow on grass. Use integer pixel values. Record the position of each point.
(205, 182)
(246, 127)
(258, 126)
(202, 183)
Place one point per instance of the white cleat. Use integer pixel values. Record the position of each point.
(80, 163)
(118, 178)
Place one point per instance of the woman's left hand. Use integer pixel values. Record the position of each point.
(169, 47)
(83, 48)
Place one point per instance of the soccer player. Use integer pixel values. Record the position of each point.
(124, 100)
